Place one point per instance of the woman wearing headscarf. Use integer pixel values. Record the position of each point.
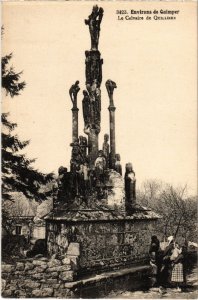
(165, 272)
(177, 276)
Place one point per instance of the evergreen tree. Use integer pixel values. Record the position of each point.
(17, 172)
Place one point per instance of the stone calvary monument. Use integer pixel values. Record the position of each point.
(96, 222)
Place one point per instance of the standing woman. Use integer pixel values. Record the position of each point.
(165, 272)
(177, 277)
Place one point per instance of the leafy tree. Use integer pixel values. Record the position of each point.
(178, 210)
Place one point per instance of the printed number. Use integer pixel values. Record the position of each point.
(121, 12)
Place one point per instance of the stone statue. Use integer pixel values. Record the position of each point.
(130, 182)
(93, 22)
(110, 86)
(93, 68)
(118, 167)
(83, 146)
(64, 186)
(100, 166)
(86, 108)
(97, 106)
(73, 91)
(105, 148)
(85, 181)
(77, 157)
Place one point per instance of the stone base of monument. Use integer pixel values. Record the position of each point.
(109, 283)
(100, 239)
(103, 241)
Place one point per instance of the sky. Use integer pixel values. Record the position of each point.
(152, 62)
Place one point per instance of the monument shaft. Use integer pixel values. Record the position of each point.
(92, 95)
(112, 135)
(74, 124)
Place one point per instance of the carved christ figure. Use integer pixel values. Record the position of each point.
(73, 91)
(94, 21)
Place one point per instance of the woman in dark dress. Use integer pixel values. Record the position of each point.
(166, 267)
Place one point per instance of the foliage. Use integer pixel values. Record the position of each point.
(178, 210)
(17, 172)
(18, 175)
(10, 79)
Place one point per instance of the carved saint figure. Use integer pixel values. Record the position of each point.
(86, 108)
(110, 86)
(93, 22)
(118, 167)
(73, 91)
(63, 184)
(83, 146)
(105, 148)
(84, 170)
(76, 160)
(100, 166)
(130, 182)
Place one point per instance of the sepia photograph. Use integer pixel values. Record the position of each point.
(99, 149)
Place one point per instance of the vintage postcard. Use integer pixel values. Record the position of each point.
(99, 149)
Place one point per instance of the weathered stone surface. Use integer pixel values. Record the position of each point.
(51, 275)
(73, 249)
(38, 276)
(66, 261)
(45, 292)
(51, 281)
(21, 294)
(66, 276)
(20, 266)
(74, 263)
(55, 285)
(3, 284)
(11, 286)
(43, 259)
(31, 284)
(39, 263)
(61, 293)
(117, 193)
(7, 293)
(29, 266)
(40, 269)
(54, 263)
(59, 269)
(7, 268)
(109, 244)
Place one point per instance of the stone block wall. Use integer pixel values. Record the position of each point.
(103, 245)
(37, 278)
